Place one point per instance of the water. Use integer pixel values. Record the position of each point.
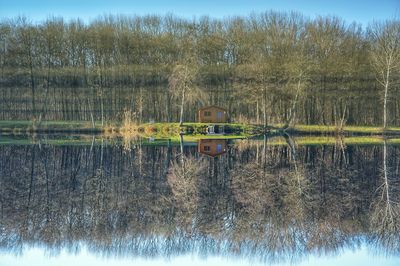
(84, 199)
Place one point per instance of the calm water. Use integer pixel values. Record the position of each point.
(108, 202)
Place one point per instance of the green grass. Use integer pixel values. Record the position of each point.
(60, 140)
(346, 129)
(29, 126)
(171, 130)
(190, 140)
(329, 140)
(192, 131)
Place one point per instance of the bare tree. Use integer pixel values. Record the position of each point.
(385, 55)
(298, 69)
(257, 75)
(26, 37)
(182, 85)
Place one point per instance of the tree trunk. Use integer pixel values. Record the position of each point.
(140, 105)
(385, 99)
(292, 111)
(182, 104)
(102, 108)
(257, 113)
(265, 107)
(168, 105)
(32, 84)
(91, 114)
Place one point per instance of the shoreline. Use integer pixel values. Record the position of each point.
(161, 130)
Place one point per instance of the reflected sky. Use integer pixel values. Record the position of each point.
(38, 257)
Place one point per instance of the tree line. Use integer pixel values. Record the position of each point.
(269, 67)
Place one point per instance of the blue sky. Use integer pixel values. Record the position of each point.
(362, 11)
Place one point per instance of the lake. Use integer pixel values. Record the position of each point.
(280, 200)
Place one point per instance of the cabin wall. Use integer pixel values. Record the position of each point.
(210, 147)
(213, 115)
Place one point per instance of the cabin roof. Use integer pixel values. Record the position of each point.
(211, 106)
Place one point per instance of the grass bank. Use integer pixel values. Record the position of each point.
(172, 130)
(349, 130)
(155, 130)
(95, 140)
(22, 127)
(331, 140)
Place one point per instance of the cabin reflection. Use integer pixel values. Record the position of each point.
(212, 147)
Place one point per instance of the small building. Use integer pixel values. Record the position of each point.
(212, 147)
(212, 114)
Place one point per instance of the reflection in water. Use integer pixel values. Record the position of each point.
(212, 147)
(385, 219)
(266, 202)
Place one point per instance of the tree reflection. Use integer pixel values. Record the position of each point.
(267, 202)
(385, 220)
(183, 178)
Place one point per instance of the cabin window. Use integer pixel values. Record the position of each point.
(207, 113)
(206, 148)
(219, 115)
(219, 147)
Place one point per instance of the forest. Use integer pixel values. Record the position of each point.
(265, 68)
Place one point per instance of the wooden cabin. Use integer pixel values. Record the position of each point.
(212, 147)
(212, 114)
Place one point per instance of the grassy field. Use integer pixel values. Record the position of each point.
(172, 130)
(345, 130)
(85, 139)
(330, 140)
(49, 126)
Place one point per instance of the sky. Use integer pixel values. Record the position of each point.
(361, 11)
